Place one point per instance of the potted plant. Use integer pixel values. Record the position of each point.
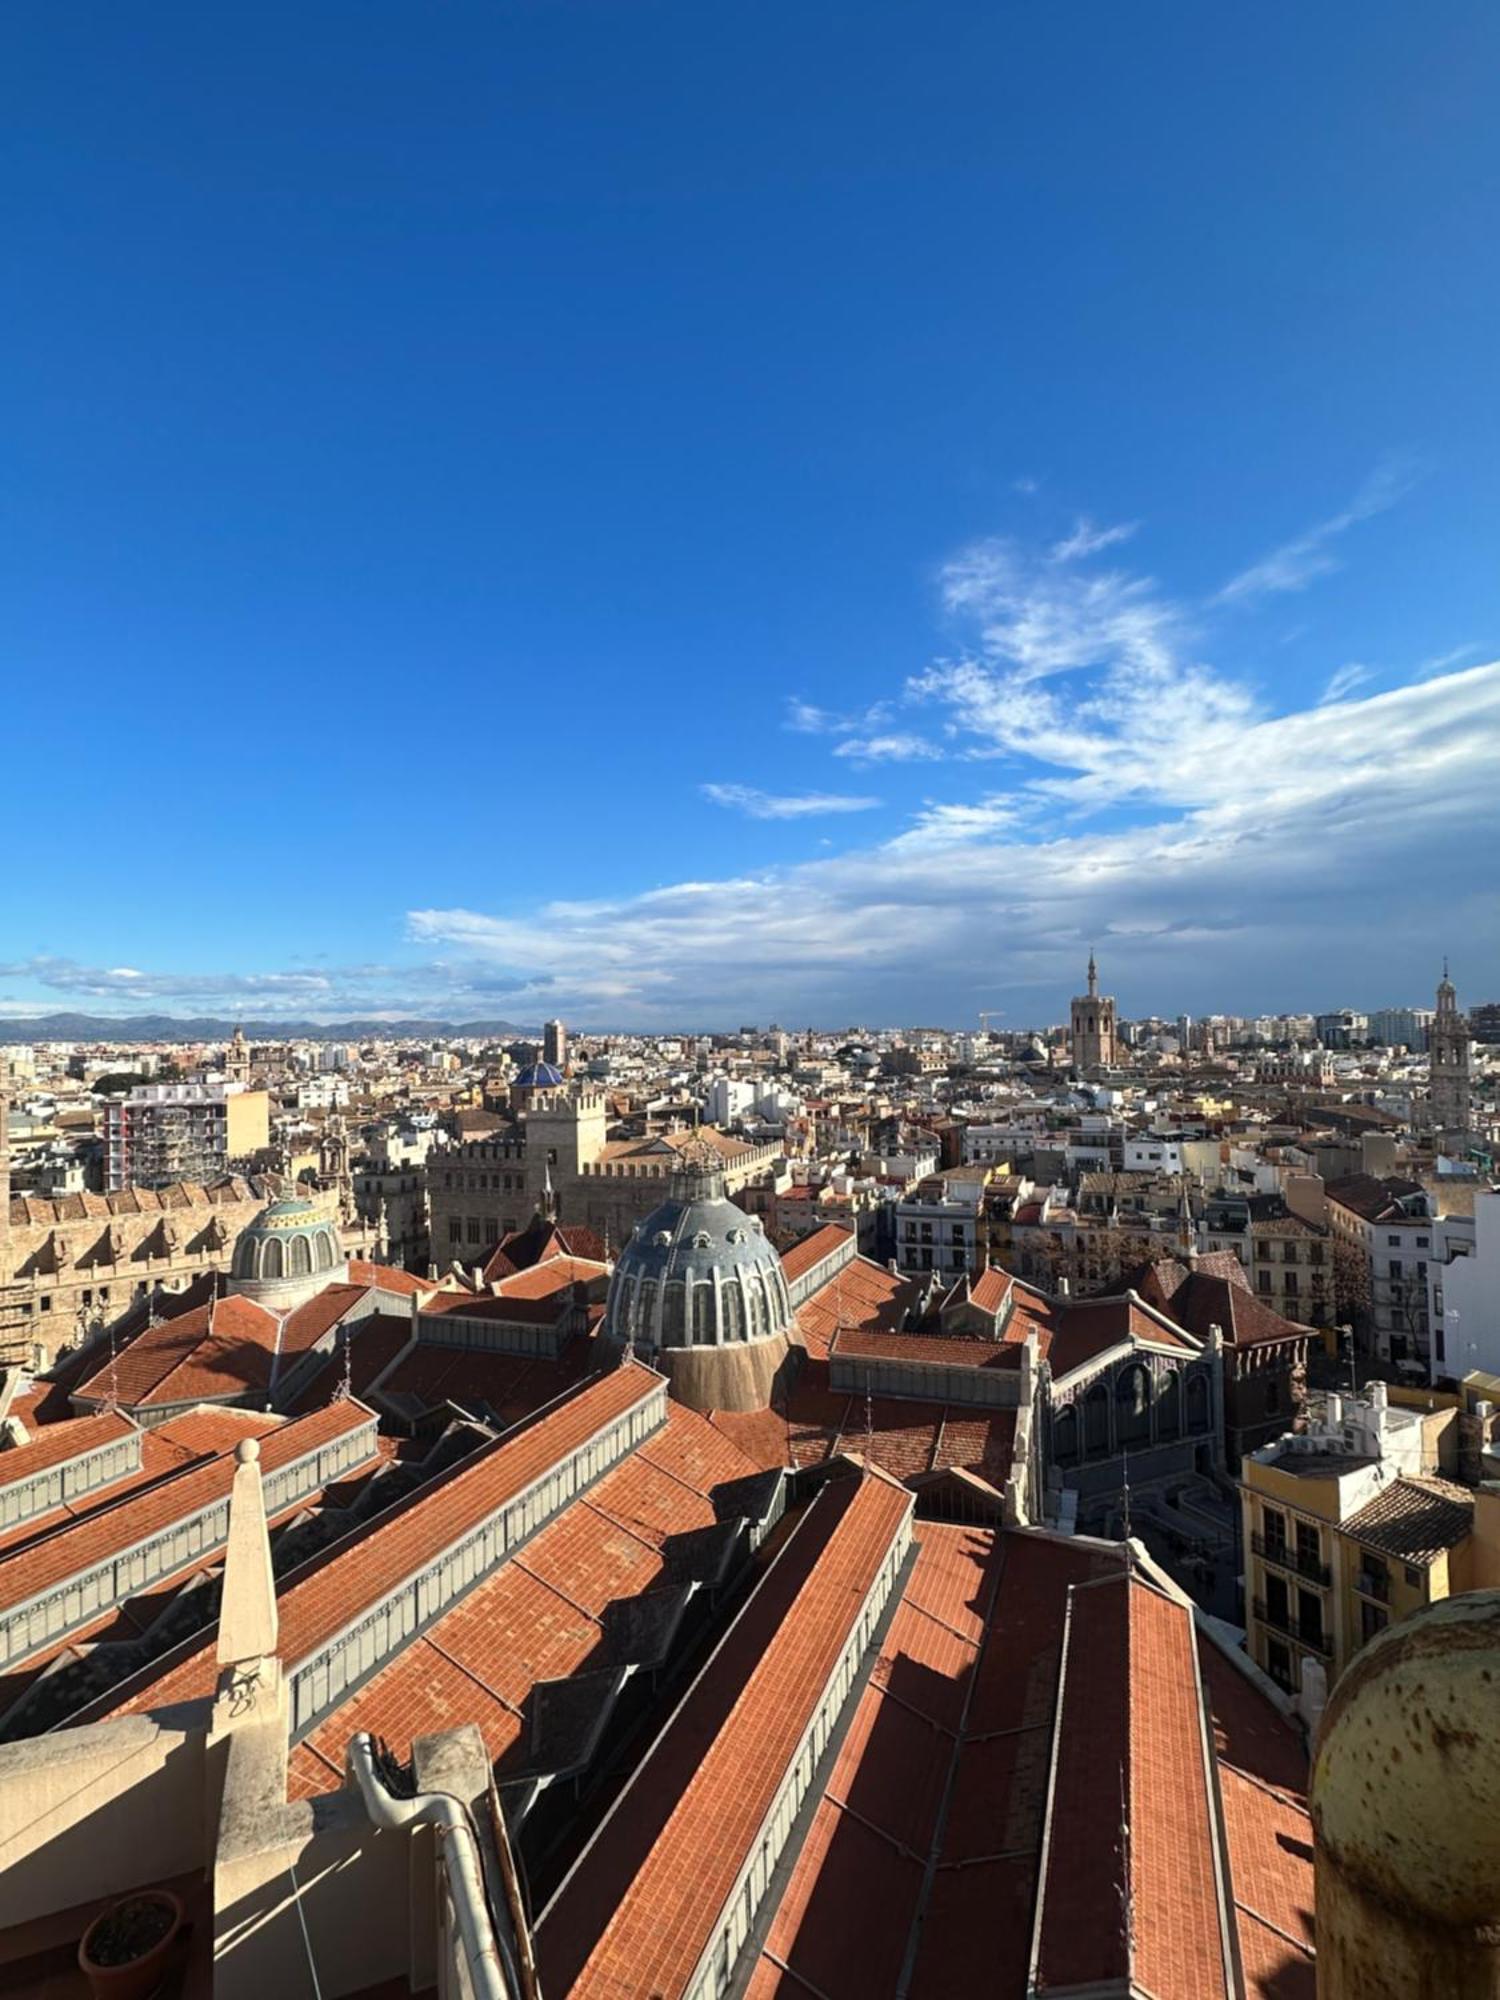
(123, 1953)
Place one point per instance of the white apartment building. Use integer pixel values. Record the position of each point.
(1464, 1290)
(937, 1227)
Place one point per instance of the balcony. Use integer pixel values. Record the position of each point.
(1286, 1557)
(1304, 1632)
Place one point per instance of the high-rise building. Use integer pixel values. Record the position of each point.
(168, 1132)
(555, 1044)
(1448, 1064)
(1400, 1027)
(1093, 1020)
(1484, 1021)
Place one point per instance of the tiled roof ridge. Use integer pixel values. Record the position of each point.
(959, 1737)
(841, 1542)
(389, 1522)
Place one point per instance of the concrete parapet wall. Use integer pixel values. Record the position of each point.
(93, 1812)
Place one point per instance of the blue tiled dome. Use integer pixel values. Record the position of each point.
(537, 1076)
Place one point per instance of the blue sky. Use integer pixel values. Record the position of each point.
(679, 515)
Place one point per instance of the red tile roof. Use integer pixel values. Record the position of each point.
(110, 1531)
(515, 1629)
(215, 1350)
(1131, 1890)
(384, 1277)
(973, 1655)
(802, 1257)
(640, 1907)
(318, 1600)
(860, 1294)
(57, 1444)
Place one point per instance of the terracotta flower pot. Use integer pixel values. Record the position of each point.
(123, 1953)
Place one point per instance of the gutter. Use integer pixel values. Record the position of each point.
(490, 1976)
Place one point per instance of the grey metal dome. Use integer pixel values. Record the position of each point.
(698, 1272)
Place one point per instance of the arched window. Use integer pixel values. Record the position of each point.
(270, 1258)
(674, 1314)
(323, 1251)
(1197, 1400)
(624, 1304)
(1169, 1405)
(1133, 1403)
(244, 1257)
(703, 1315)
(733, 1306)
(299, 1263)
(1065, 1434)
(645, 1310)
(757, 1296)
(1096, 1421)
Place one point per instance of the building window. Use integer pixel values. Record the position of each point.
(1279, 1662)
(455, 1229)
(1415, 1577)
(1309, 1545)
(1374, 1577)
(1273, 1524)
(1371, 1620)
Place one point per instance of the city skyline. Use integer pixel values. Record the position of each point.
(751, 519)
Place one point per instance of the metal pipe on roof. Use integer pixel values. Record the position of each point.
(490, 1976)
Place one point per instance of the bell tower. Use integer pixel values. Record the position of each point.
(1093, 1025)
(1448, 1065)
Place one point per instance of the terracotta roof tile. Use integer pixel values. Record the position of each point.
(811, 1251)
(639, 1908)
(109, 1531)
(58, 1444)
(319, 1599)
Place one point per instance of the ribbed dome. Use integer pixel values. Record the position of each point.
(698, 1272)
(287, 1252)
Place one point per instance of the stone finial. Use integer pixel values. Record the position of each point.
(247, 1611)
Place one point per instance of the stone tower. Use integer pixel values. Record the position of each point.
(1448, 1065)
(1093, 1018)
(237, 1058)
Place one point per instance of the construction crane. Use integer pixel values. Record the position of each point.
(988, 1015)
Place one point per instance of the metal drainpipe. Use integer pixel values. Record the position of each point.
(490, 1974)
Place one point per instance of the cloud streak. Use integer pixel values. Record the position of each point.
(1296, 564)
(756, 804)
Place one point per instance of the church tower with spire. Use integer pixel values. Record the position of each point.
(1448, 1066)
(1093, 1024)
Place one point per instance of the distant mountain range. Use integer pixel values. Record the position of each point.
(208, 1028)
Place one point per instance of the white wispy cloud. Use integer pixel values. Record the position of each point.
(1343, 682)
(900, 747)
(1441, 662)
(1296, 564)
(779, 805)
(1087, 539)
(805, 718)
(1317, 832)
(1133, 794)
(949, 825)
